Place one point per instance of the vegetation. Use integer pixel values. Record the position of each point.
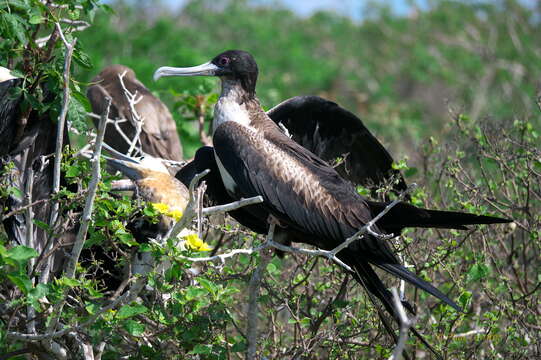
(451, 90)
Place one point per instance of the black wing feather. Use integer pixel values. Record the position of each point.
(330, 131)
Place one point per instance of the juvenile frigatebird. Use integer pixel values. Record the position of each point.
(159, 135)
(300, 190)
(154, 184)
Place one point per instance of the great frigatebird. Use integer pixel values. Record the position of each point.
(300, 190)
(159, 135)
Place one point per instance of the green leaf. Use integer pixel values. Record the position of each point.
(15, 26)
(83, 100)
(202, 349)
(42, 225)
(464, 299)
(81, 57)
(16, 192)
(194, 293)
(73, 171)
(410, 172)
(65, 281)
(478, 272)
(131, 310)
(21, 253)
(208, 285)
(36, 19)
(21, 281)
(40, 291)
(77, 113)
(92, 308)
(134, 328)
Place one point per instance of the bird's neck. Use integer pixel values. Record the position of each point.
(236, 104)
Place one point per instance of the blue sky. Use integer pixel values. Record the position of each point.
(345, 7)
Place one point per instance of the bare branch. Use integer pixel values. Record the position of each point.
(227, 255)
(87, 212)
(29, 222)
(136, 120)
(405, 325)
(253, 291)
(232, 206)
(59, 145)
(190, 211)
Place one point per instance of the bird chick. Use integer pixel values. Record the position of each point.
(155, 185)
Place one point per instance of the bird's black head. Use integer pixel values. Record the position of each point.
(236, 65)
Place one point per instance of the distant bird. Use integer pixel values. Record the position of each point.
(159, 135)
(300, 190)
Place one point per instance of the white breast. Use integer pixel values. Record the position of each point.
(230, 106)
(227, 109)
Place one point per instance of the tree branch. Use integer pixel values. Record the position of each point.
(405, 325)
(87, 212)
(253, 291)
(44, 278)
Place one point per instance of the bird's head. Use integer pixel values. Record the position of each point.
(232, 65)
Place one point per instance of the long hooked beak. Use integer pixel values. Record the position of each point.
(206, 69)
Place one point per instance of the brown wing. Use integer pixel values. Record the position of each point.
(159, 135)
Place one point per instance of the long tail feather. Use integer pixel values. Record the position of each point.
(406, 215)
(368, 278)
(403, 273)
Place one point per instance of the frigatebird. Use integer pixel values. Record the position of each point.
(151, 181)
(154, 184)
(159, 135)
(327, 130)
(300, 190)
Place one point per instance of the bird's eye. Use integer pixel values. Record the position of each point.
(224, 61)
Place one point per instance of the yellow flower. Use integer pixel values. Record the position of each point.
(161, 208)
(164, 209)
(175, 214)
(194, 242)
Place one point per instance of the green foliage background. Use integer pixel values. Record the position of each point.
(397, 73)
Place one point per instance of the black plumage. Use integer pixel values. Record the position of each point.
(299, 189)
(9, 109)
(332, 132)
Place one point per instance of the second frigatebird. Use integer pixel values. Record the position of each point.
(300, 190)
